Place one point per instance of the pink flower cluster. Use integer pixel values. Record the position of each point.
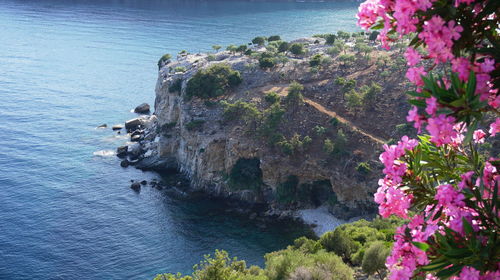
(438, 37)
(406, 257)
(391, 199)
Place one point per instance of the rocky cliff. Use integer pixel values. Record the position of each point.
(326, 148)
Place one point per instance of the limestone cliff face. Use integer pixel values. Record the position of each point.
(193, 137)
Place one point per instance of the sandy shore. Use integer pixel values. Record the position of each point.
(321, 220)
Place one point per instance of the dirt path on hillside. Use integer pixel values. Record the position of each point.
(282, 90)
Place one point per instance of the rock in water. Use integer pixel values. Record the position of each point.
(136, 186)
(144, 182)
(142, 109)
(121, 151)
(103, 126)
(133, 124)
(117, 127)
(124, 163)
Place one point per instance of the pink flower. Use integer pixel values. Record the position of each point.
(494, 127)
(448, 196)
(466, 180)
(469, 273)
(490, 175)
(413, 116)
(368, 12)
(431, 105)
(412, 57)
(441, 129)
(487, 66)
(392, 200)
(414, 74)
(462, 67)
(479, 136)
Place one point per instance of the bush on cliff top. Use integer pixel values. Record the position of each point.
(213, 81)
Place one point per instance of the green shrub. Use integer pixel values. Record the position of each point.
(272, 118)
(297, 49)
(272, 98)
(340, 243)
(320, 130)
(180, 69)
(176, 86)
(354, 101)
(195, 125)
(273, 38)
(241, 48)
(330, 39)
(333, 51)
(364, 168)
(232, 49)
(315, 60)
(343, 35)
(259, 41)
(283, 47)
(294, 96)
(267, 62)
(211, 57)
(213, 81)
(246, 174)
(166, 57)
(216, 47)
(334, 122)
(328, 146)
(241, 110)
(374, 259)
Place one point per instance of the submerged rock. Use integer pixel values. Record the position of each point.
(142, 109)
(117, 127)
(103, 126)
(124, 163)
(136, 186)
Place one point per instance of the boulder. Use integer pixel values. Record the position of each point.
(133, 124)
(121, 151)
(142, 109)
(144, 182)
(134, 150)
(136, 186)
(117, 127)
(103, 126)
(136, 138)
(137, 132)
(124, 163)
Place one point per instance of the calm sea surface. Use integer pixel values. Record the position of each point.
(66, 209)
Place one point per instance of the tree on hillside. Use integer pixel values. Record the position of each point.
(259, 41)
(216, 47)
(294, 96)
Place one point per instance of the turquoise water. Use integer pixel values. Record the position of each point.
(66, 210)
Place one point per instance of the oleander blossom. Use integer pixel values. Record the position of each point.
(441, 129)
(414, 172)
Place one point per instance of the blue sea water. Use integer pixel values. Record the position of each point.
(67, 66)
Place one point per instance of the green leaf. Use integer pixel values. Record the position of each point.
(446, 273)
(418, 103)
(467, 227)
(422, 246)
(471, 86)
(470, 132)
